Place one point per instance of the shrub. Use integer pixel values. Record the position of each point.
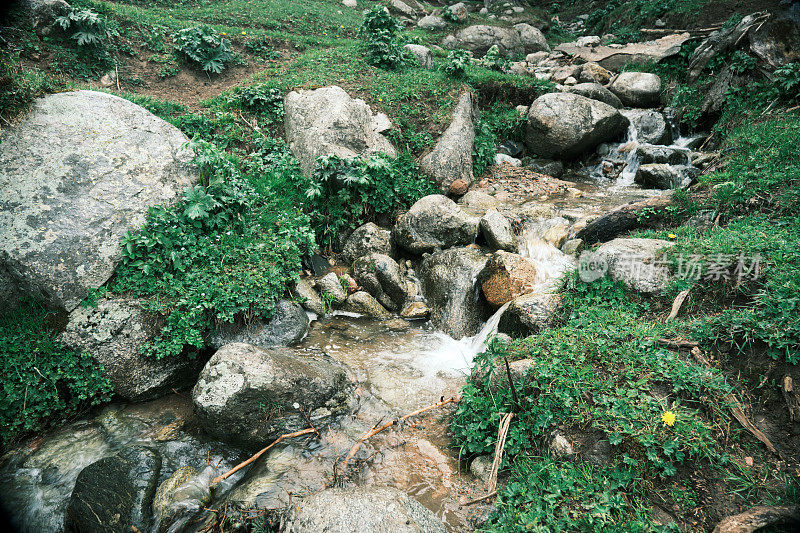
(203, 46)
(85, 26)
(787, 80)
(42, 380)
(494, 60)
(456, 63)
(261, 99)
(381, 30)
(228, 249)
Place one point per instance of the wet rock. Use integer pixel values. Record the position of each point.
(637, 89)
(658, 176)
(651, 126)
(181, 495)
(415, 311)
(331, 288)
(615, 57)
(573, 247)
(114, 333)
(308, 297)
(249, 395)
(432, 22)
(760, 517)
(374, 509)
(634, 263)
(496, 229)
(77, 173)
(380, 276)
(328, 121)
(548, 167)
(397, 324)
(287, 325)
(556, 235)
(114, 494)
(594, 73)
(508, 276)
(363, 303)
(595, 91)
(365, 240)
(566, 125)
(449, 282)
(478, 39)
(451, 158)
(433, 222)
(477, 203)
(422, 53)
(533, 40)
(528, 314)
(648, 154)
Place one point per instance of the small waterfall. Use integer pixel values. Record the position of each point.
(488, 329)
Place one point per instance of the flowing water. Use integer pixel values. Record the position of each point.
(398, 368)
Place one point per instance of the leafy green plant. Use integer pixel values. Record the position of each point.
(43, 381)
(742, 62)
(687, 100)
(449, 15)
(494, 60)
(787, 80)
(85, 26)
(456, 63)
(262, 99)
(205, 47)
(381, 30)
(228, 249)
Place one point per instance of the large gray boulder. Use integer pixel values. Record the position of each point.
(497, 232)
(115, 493)
(365, 240)
(533, 40)
(43, 13)
(364, 303)
(564, 125)
(478, 203)
(637, 89)
(287, 325)
(76, 174)
(450, 285)
(328, 121)
(616, 57)
(528, 314)
(432, 22)
(114, 332)
(635, 262)
(662, 154)
(595, 91)
(451, 158)
(478, 39)
(658, 176)
(248, 395)
(308, 297)
(362, 509)
(380, 276)
(422, 53)
(651, 126)
(434, 222)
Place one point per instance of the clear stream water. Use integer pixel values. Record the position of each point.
(397, 372)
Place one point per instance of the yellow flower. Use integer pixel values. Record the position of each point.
(672, 236)
(668, 418)
(244, 33)
(380, 99)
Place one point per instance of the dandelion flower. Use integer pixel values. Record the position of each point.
(244, 33)
(672, 236)
(668, 418)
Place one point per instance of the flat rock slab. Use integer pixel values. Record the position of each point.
(616, 58)
(76, 174)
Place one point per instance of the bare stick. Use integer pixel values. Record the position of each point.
(262, 452)
(676, 305)
(378, 428)
(502, 433)
(471, 502)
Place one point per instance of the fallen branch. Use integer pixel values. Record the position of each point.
(736, 407)
(677, 344)
(502, 434)
(378, 428)
(472, 502)
(241, 465)
(676, 305)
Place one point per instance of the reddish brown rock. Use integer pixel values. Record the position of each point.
(508, 276)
